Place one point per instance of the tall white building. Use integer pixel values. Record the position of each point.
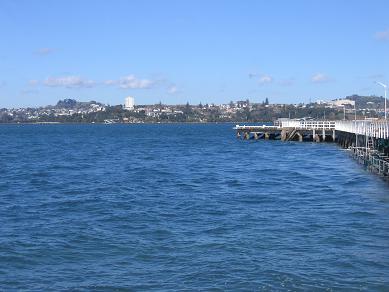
(129, 103)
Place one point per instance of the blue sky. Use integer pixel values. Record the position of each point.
(179, 51)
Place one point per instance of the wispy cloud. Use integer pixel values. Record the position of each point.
(265, 79)
(69, 82)
(111, 82)
(382, 35)
(44, 51)
(252, 75)
(172, 89)
(33, 82)
(132, 82)
(320, 78)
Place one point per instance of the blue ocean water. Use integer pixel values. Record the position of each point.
(185, 207)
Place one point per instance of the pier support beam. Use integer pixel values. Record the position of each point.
(284, 135)
(300, 136)
(267, 136)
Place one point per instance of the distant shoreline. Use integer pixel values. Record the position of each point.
(145, 123)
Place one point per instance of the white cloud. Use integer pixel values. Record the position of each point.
(320, 78)
(69, 82)
(382, 35)
(265, 79)
(44, 51)
(110, 82)
(131, 82)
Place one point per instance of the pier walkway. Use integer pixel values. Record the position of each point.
(368, 140)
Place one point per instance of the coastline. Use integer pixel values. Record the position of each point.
(145, 123)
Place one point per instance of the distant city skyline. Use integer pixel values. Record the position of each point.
(191, 51)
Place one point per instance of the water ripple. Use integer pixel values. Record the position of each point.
(185, 207)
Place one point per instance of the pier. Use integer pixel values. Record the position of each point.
(367, 140)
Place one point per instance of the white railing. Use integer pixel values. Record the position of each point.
(312, 125)
(376, 129)
(289, 124)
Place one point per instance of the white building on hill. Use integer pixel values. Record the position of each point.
(129, 103)
(342, 102)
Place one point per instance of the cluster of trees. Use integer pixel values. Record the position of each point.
(367, 102)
